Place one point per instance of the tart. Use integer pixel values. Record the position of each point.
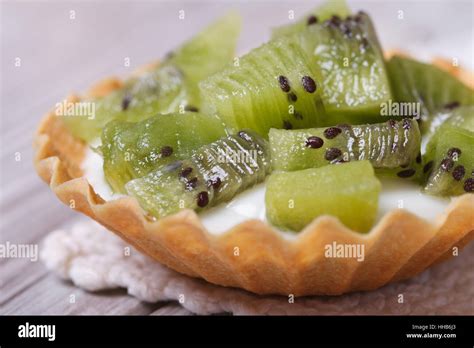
(151, 166)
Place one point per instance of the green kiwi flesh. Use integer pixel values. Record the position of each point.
(348, 191)
(215, 173)
(132, 150)
(391, 147)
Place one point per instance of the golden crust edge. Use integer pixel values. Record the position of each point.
(266, 263)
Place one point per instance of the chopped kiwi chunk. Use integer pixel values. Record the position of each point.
(215, 173)
(320, 14)
(354, 79)
(348, 191)
(274, 86)
(449, 159)
(333, 72)
(436, 91)
(171, 87)
(390, 146)
(132, 150)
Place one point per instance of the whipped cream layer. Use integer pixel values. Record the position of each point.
(250, 204)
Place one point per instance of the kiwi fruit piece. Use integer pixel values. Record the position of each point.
(300, 80)
(132, 150)
(354, 79)
(348, 191)
(319, 14)
(436, 91)
(449, 158)
(266, 90)
(214, 173)
(389, 146)
(171, 87)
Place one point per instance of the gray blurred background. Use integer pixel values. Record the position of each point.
(52, 48)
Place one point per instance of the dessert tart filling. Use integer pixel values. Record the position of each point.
(315, 131)
(250, 204)
(314, 122)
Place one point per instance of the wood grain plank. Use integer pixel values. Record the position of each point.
(40, 220)
(40, 299)
(172, 309)
(18, 275)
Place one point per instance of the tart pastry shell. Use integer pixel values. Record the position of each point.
(253, 255)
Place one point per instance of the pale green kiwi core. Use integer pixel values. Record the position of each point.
(347, 191)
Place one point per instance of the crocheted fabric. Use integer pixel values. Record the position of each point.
(95, 259)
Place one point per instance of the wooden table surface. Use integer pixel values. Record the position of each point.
(52, 48)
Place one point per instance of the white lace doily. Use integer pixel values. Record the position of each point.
(95, 259)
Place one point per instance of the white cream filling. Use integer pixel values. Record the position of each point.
(250, 204)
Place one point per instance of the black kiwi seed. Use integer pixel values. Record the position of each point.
(427, 167)
(292, 97)
(312, 20)
(287, 125)
(314, 142)
(332, 153)
(126, 101)
(186, 171)
(469, 185)
(454, 152)
(166, 151)
(335, 20)
(284, 83)
(215, 183)
(406, 123)
(392, 123)
(452, 105)
(406, 173)
(332, 132)
(298, 115)
(346, 30)
(418, 158)
(458, 173)
(191, 108)
(447, 164)
(202, 199)
(364, 43)
(308, 84)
